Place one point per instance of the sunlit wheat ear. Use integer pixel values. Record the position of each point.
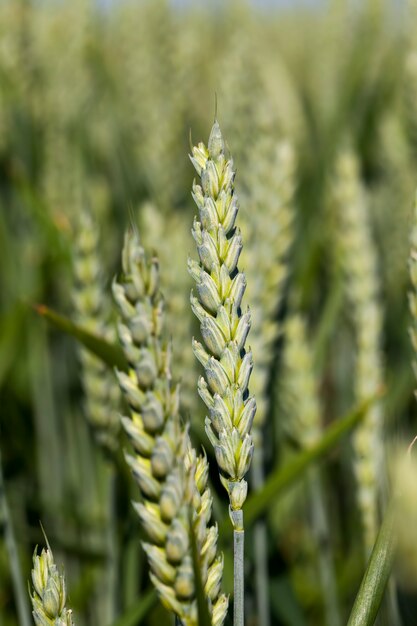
(102, 395)
(360, 265)
(224, 323)
(171, 477)
(48, 592)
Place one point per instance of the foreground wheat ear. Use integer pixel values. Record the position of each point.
(49, 592)
(224, 327)
(172, 479)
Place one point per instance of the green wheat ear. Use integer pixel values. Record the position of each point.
(102, 395)
(171, 478)
(224, 325)
(49, 591)
(360, 265)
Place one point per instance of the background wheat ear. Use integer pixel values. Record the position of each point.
(359, 263)
(49, 594)
(171, 477)
(102, 395)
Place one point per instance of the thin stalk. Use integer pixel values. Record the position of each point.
(20, 590)
(239, 574)
(260, 540)
(325, 557)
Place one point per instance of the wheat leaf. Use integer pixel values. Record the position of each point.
(374, 582)
(109, 353)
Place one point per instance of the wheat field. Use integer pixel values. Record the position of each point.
(208, 313)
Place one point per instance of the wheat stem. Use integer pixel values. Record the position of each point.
(238, 560)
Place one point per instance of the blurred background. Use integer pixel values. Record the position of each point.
(97, 103)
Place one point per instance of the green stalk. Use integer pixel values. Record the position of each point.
(11, 548)
(238, 574)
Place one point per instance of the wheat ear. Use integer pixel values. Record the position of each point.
(359, 262)
(172, 479)
(224, 327)
(92, 311)
(49, 592)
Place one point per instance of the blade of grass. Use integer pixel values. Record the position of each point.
(110, 353)
(374, 582)
(283, 477)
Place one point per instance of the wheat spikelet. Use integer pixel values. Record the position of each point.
(172, 479)
(101, 391)
(224, 327)
(359, 262)
(49, 592)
